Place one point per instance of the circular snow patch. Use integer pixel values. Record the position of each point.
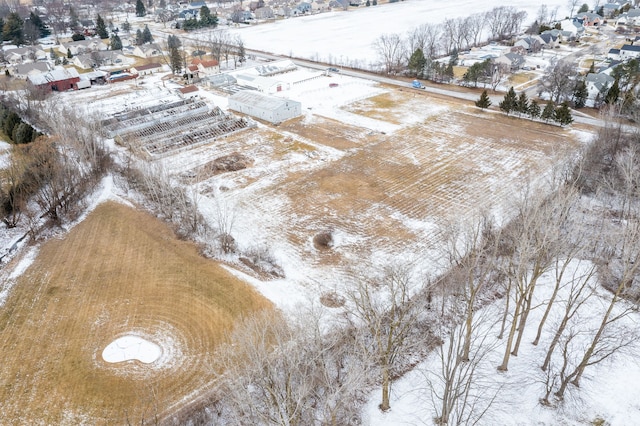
(127, 348)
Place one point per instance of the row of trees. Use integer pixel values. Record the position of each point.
(433, 40)
(14, 128)
(521, 105)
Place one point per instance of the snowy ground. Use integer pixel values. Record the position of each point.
(131, 348)
(345, 38)
(608, 391)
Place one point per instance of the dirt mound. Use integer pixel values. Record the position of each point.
(229, 163)
(323, 240)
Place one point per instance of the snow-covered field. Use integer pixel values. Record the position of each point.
(345, 38)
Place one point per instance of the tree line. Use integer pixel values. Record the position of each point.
(14, 128)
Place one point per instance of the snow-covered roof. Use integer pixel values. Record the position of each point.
(56, 74)
(260, 100)
(599, 81)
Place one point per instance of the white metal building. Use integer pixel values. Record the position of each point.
(264, 107)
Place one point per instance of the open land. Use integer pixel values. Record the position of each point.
(119, 272)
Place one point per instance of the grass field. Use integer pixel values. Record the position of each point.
(118, 272)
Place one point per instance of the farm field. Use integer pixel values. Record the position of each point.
(382, 194)
(118, 273)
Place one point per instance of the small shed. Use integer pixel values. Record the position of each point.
(264, 107)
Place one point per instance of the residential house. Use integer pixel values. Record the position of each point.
(531, 44)
(339, 4)
(510, 61)
(82, 46)
(302, 8)
(629, 51)
(147, 50)
(146, 69)
(188, 92)
(57, 80)
(590, 19)
(100, 58)
(264, 13)
(597, 85)
(613, 54)
(187, 14)
(33, 68)
(283, 11)
(573, 27)
(21, 55)
(631, 17)
(610, 9)
(207, 67)
(550, 40)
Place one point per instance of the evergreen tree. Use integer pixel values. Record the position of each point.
(101, 28)
(146, 35)
(484, 101)
(583, 8)
(562, 114)
(69, 54)
(522, 104)
(140, 9)
(139, 38)
(592, 68)
(417, 62)
(37, 21)
(126, 26)
(77, 37)
(613, 93)
(509, 103)
(534, 109)
(22, 133)
(580, 94)
(548, 112)
(175, 58)
(11, 120)
(73, 18)
(368, 3)
(116, 43)
(206, 18)
(374, 2)
(13, 29)
(52, 54)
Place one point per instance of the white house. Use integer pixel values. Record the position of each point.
(21, 55)
(629, 51)
(206, 68)
(188, 92)
(147, 50)
(572, 26)
(82, 46)
(265, 107)
(146, 69)
(33, 68)
(597, 85)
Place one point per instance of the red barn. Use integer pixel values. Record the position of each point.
(56, 80)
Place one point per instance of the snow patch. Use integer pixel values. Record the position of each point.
(128, 348)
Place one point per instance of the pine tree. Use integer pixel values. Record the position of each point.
(175, 58)
(580, 94)
(73, 18)
(140, 9)
(13, 29)
(484, 101)
(613, 93)
(69, 54)
(417, 62)
(206, 18)
(37, 21)
(522, 104)
(116, 43)
(146, 35)
(562, 114)
(548, 112)
(139, 38)
(509, 103)
(101, 28)
(534, 109)
(126, 26)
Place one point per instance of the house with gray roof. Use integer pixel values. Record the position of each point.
(25, 70)
(510, 61)
(598, 84)
(629, 51)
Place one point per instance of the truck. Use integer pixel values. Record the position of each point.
(417, 85)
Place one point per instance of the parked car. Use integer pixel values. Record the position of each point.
(332, 69)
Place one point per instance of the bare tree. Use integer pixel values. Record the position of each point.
(391, 49)
(558, 80)
(388, 314)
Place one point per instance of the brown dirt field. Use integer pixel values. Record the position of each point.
(119, 271)
(448, 165)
